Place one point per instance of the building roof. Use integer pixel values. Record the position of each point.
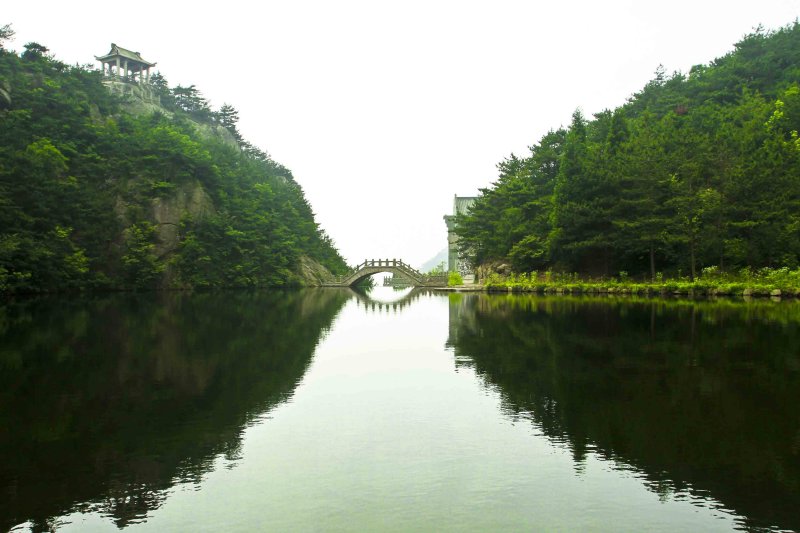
(461, 204)
(124, 53)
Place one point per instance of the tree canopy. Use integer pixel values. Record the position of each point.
(692, 171)
(83, 180)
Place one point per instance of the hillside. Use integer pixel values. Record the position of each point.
(697, 170)
(99, 190)
(435, 261)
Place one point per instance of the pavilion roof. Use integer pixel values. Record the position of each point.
(124, 53)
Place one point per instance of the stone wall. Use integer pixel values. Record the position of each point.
(461, 205)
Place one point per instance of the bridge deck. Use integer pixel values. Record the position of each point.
(395, 266)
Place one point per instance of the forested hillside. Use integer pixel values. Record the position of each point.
(696, 170)
(93, 194)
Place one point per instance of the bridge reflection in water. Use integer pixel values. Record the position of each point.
(397, 267)
(127, 397)
(372, 302)
(651, 387)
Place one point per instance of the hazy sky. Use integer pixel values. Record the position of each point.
(385, 110)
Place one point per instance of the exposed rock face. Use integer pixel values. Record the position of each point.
(312, 273)
(5, 94)
(138, 106)
(217, 132)
(189, 199)
(482, 272)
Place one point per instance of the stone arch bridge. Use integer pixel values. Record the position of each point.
(395, 266)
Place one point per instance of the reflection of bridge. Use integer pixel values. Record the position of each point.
(395, 266)
(393, 305)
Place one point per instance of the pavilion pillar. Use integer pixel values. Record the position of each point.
(126, 69)
(118, 68)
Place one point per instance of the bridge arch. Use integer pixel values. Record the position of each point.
(366, 300)
(395, 266)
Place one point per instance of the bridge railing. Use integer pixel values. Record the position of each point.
(398, 264)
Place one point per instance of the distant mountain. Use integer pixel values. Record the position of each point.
(434, 261)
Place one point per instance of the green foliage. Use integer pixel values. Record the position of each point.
(692, 171)
(516, 209)
(140, 265)
(81, 180)
(191, 100)
(34, 51)
(228, 117)
(454, 279)
(366, 284)
(6, 33)
(712, 281)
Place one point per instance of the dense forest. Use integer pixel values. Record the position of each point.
(695, 171)
(95, 192)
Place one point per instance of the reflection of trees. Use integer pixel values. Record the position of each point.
(107, 402)
(695, 396)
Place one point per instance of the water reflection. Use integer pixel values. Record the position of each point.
(701, 399)
(107, 402)
(387, 294)
(388, 299)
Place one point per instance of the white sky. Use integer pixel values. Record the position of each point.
(384, 110)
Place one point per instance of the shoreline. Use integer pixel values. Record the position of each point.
(664, 290)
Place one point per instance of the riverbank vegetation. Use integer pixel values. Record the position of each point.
(454, 279)
(103, 191)
(711, 282)
(698, 170)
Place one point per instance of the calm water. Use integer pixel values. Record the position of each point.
(327, 410)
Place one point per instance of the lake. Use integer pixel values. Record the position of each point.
(334, 410)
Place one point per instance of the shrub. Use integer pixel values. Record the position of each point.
(454, 278)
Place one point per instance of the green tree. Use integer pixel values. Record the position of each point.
(640, 215)
(191, 100)
(34, 51)
(228, 117)
(694, 170)
(6, 34)
(81, 180)
(140, 264)
(582, 200)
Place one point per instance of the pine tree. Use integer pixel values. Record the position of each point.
(228, 117)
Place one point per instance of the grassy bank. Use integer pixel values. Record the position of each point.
(712, 282)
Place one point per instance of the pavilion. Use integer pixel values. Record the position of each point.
(125, 65)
